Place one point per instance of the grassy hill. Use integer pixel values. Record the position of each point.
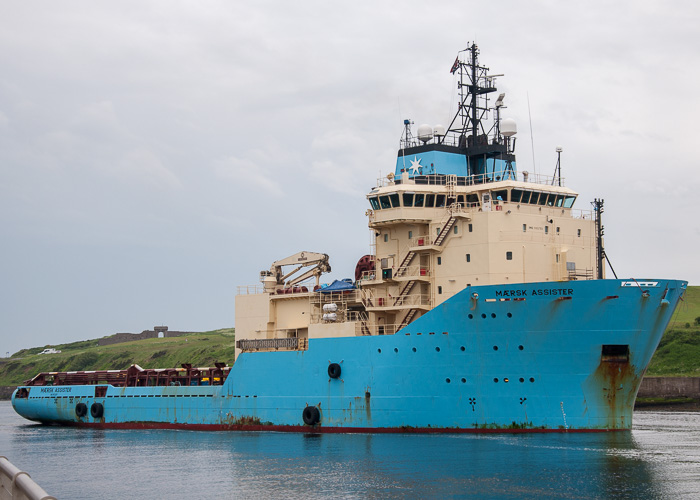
(677, 355)
(200, 349)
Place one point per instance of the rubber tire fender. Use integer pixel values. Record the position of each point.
(334, 370)
(81, 410)
(311, 415)
(97, 410)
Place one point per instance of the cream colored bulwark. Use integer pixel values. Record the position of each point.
(292, 313)
(323, 330)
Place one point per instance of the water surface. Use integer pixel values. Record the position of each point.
(660, 458)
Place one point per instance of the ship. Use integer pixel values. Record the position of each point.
(482, 305)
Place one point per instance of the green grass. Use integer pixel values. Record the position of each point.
(688, 310)
(200, 349)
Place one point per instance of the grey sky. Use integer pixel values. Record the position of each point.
(155, 155)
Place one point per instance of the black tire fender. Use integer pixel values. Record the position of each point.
(97, 410)
(81, 410)
(334, 370)
(311, 415)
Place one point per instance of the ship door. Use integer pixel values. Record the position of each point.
(486, 202)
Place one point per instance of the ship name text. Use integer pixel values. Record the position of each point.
(535, 292)
(56, 389)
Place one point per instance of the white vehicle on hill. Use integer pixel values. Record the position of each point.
(49, 351)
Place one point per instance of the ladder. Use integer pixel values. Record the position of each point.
(404, 264)
(408, 318)
(445, 230)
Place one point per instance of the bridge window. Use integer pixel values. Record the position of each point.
(516, 195)
(527, 195)
(569, 201)
(408, 199)
(500, 195)
(430, 200)
(394, 200)
(473, 198)
(418, 200)
(460, 199)
(440, 200)
(384, 202)
(559, 201)
(375, 203)
(543, 199)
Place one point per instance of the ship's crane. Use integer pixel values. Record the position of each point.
(276, 275)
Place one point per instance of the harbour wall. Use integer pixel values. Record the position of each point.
(670, 387)
(652, 387)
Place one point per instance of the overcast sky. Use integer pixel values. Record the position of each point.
(154, 155)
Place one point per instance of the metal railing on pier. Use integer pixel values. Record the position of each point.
(18, 485)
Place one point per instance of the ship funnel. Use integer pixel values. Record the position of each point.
(508, 127)
(425, 133)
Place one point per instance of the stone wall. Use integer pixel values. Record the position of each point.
(670, 387)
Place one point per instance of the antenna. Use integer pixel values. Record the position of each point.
(557, 168)
(532, 139)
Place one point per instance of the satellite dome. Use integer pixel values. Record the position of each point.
(425, 132)
(508, 127)
(439, 131)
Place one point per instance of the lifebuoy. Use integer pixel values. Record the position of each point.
(97, 410)
(334, 370)
(311, 415)
(80, 410)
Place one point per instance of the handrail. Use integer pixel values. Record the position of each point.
(18, 485)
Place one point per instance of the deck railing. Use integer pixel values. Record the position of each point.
(18, 485)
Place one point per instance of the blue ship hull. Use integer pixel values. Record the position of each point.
(540, 357)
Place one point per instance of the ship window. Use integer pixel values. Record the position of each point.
(559, 200)
(386, 237)
(546, 229)
(384, 202)
(500, 195)
(375, 203)
(408, 199)
(557, 258)
(469, 257)
(470, 228)
(526, 197)
(569, 201)
(395, 200)
(440, 290)
(473, 198)
(557, 229)
(418, 200)
(460, 199)
(439, 261)
(509, 255)
(410, 235)
(515, 195)
(430, 200)
(456, 230)
(579, 233)
(524, 228)
(543, 199)
(440, 200)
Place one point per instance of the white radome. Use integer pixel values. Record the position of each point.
(508, 127)
(439, 131)
(425, 132)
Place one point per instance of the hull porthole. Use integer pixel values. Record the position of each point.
(96, 410)
(311, 415)
(80, 410)
(334, 370)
